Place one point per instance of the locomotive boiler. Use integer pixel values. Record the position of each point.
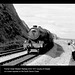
(39, 39)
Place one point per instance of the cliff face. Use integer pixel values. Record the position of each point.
(12, 29)
(25, 25)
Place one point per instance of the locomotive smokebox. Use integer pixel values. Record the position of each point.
(33, 33)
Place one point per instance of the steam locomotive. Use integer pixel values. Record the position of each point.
(39, 39)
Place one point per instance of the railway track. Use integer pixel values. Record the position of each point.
(8, 52)
(15, 57)
(20, 60)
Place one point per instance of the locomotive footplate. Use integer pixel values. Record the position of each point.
(33, 47)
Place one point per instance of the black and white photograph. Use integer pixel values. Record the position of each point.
(37, 35)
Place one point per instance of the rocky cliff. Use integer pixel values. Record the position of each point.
(12, 29)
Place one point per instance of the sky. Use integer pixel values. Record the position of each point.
(57, 18)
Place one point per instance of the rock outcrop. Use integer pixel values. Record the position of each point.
(12, 29)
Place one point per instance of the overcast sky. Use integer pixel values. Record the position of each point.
(57, 18)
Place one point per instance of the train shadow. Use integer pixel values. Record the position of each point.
(56, 51)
